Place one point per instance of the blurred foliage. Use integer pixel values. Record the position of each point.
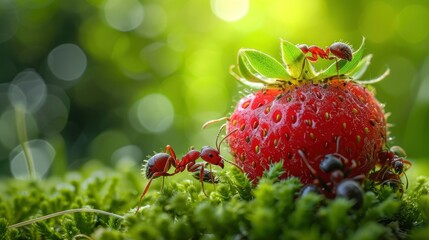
(123, 78)
(233, 210)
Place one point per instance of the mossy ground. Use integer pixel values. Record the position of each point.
(233, 210)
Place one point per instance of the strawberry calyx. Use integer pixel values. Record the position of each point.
(260, 70)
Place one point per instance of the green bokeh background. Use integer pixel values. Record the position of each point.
(168, 65)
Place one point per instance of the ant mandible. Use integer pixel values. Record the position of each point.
(393, 166)
(338, 49)
(159, 164)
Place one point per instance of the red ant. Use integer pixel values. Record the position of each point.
(338, 49)
(333, 164)
(159, 164)
(393, 166)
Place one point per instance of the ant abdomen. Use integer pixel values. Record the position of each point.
(351, 190)
(156, 164)
(330, 163)
(341, 50)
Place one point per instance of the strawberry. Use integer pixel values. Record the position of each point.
(274, 124)
(300, 116)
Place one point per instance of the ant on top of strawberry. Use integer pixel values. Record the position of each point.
(338, 49)
(159, 164)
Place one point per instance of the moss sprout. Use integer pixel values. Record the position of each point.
(235, 209)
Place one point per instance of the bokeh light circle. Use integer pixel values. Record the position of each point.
(43, 155)
(129, 153)
(124, 15)
(9, 20)
(412, 23)
(153, 113)
(27, 90)
(67, 62)
(375, 26)
(230, 10)
(53, 116)
(155, 21)
(161, 58)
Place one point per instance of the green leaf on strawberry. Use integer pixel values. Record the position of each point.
(296, 62)
(259, 70)
(262, 64)
(361, 67)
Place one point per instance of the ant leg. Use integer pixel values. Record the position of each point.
(359, 178)
(144, 193)
(375, 176)
(155, 175)
(162, 185)
(201, 179)
(313, 57)
(170, 150)
(406, 179)
(394, 181)
(198, 167)
(170, 161)
(211, 177)
(408, 163)
(313, 172)
(336, 66)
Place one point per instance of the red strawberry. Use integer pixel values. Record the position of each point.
(274, 124)
(302, 117)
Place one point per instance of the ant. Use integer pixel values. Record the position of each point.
(159, 164)
(339, 185)
(393, 166)
(340, 50)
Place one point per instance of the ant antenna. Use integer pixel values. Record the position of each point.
(208, 123)
(312, 171)
(218, 144)
(393, 181)
(217, 136)
(406, 178)
(301, 153)
(232, 163)
(337, 153)
(338, 144)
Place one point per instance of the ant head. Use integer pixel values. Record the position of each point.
(211, 156)
(341, 50)
(310, 188)
(398, 165)
(330, 163)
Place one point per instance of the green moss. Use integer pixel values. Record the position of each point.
(234, 209)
